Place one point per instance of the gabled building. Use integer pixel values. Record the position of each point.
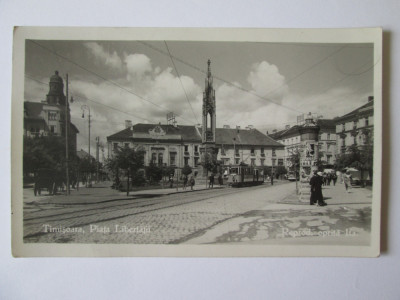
(48, 117)
(355, 128)
(180, 145)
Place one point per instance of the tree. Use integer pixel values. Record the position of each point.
(360, 158)
(154, 173)
(210, 162)
(46, 152)
(186, 170)
(129, 160)
(280, 170)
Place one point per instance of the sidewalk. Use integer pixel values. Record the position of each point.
(336, 195)
(102, 192)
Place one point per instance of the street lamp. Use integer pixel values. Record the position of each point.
(85, 107)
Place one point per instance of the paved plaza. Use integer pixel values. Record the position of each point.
(254, 215)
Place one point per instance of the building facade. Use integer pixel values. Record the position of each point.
(355, 128)
(48, 117)
(292, 139)
(180, 145)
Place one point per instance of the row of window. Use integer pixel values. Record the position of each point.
(158, 159)
(354, 124)
(196, 150)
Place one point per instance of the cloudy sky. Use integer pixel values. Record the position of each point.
(262, 84)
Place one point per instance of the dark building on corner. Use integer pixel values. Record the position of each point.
(48, 117)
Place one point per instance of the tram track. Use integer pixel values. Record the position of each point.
(100, 213)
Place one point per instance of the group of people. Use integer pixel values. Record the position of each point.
(327, 178)
(320, 179)
(190, 181)
(211, 182)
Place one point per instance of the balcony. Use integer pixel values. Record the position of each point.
(196, 154)
(186, 153)
(262, 154)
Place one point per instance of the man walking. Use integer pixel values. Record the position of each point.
(211, 184)
(316, 183)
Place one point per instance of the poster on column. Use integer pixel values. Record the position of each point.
(196, 142)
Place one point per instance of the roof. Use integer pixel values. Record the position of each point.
(82, 154)
(33, 109)
(168, 132)
(366, 107)
(226, 136)
(324, 124)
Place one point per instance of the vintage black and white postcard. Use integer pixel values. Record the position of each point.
(196, 142)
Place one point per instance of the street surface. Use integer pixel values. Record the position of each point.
(254, 215)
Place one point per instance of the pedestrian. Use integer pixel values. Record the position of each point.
(334, 178)
(185, 182)
(211, 183)
(171, 180)
(220, 181)
(316, 182)
(347, 181)
(329, 177)
(191, 182)
(324, 178)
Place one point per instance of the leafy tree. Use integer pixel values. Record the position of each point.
(210, 162)
(154, 173)
(359, 158)
(129, 160)
(47, 152)
(280, 170)
(186, 170)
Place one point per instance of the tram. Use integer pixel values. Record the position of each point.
(241, 176)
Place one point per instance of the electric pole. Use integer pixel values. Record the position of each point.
(90, 158)
(97, 158)
(66, 138)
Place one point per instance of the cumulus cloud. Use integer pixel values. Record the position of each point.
(109, 59)
(266, 80)
(137, 65)
(257, 105)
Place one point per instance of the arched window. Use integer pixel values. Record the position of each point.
(209, 121)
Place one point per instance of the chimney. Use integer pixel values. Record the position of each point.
(274, 131)
(250, 127)
(287, 126)
(237, 127)
(370, 98)
(226, 126)
(128, 123)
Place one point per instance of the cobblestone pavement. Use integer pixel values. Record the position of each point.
(346, 220)
(247, 215)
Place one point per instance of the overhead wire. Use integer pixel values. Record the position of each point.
(107, 80)
(94, 101)
(180, 80)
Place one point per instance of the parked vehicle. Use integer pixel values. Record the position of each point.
(291, 176)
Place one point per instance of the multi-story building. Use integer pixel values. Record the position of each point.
(355, 128)
(48, 117)
(291, 138)
(180, 145)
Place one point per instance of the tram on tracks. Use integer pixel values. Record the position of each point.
(241, 176)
